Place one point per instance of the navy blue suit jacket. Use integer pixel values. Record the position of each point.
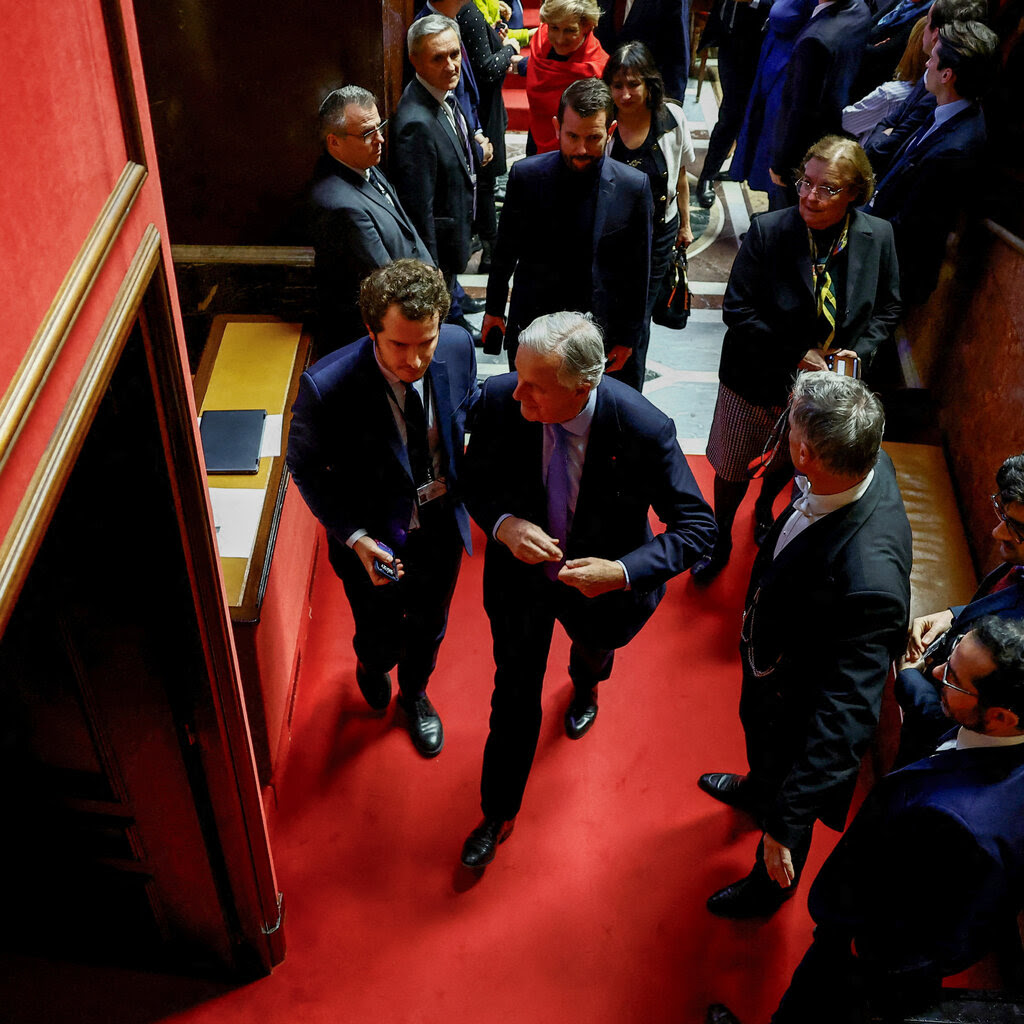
(916, 197)
(530, 244)
(344, 449)
(821, 70)
(633, 463)
(931, 870)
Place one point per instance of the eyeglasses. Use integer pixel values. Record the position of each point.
(1015, 527)
(806, 188)
(945, 671)
(369, 133)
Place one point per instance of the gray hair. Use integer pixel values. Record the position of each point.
(332, 110)
(573, 336)
(431, 25)
(1010, 480)
(840, 419)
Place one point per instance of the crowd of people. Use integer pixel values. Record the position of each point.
(567, 459)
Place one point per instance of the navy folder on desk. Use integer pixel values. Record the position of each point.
(232, 439)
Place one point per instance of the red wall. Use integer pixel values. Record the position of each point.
(64, 150)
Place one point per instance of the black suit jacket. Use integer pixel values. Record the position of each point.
(889, 135)
(821, 69)
(633, 463)
(771, 312)
(344, 449)
(354, 229)
(917, 198)
(431, 173)
(529, 243)
(823, 621)
(931, 871)
(663, 27)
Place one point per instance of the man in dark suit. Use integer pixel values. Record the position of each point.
(555, 204)
(889, 135)
(356, 221)
(918, 193)
(432, 158)
(663, 26)
(930, 874)
(375, 448)
(1001, 593)
(826, 613)
(563, 468)
(821, 69)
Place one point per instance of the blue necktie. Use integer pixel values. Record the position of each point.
(558, 493)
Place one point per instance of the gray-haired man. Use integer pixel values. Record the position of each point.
(562, 469)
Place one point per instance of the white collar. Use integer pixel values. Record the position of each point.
(439, 94)
(967, 739)
(814, 505)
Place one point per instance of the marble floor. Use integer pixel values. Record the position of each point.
(682, 366)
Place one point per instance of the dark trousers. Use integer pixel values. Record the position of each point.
(737, 67)
(831, 983)
(635, 370)
(404, 623)
(522, 623)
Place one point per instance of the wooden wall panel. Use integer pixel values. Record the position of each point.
(234, 94)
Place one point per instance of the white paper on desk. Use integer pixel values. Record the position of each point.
(236, 514)
(271, 444)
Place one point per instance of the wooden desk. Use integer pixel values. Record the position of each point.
(255, 362)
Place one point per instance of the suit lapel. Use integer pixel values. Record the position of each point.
(596, 484)
(605, 196)
(860, 260)
(453, 136)
(439, 386)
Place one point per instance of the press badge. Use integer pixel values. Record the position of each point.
(431, 490)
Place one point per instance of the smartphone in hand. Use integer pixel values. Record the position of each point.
(389, 572)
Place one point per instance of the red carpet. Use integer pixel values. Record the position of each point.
(593, 910)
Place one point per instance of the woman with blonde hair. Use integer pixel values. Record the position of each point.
(563, 50)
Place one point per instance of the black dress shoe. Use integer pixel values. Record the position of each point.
(374, 686)
(479, 849)
(471, 305)
(719, 1014)
(763, 522)
(730, 789)
(461, 321)
(753, 896)
(424, 724)
(581, 714)
(708, 567)
(705, 193)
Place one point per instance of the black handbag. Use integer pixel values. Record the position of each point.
(672, 307)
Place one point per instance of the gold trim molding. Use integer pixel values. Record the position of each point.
(47, 484)
(30, 376)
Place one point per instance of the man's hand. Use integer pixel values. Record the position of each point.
(778, 861)
(776, 179)
(366, 550)
(527, 541)
(488, 148)
(592, 576)
(922, 632)
(812, 360)
(684, 236)
(617, 357)
(492, 321)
